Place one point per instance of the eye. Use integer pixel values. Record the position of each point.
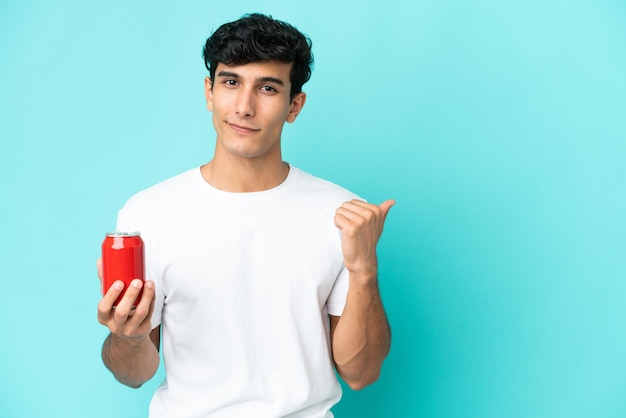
(230, 82)
(268, 89)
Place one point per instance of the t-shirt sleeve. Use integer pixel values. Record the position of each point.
(126, 222)
(337, 298)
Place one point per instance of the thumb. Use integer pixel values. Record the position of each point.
(385, 206)
(99, 267)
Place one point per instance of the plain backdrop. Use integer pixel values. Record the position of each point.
(498, 126)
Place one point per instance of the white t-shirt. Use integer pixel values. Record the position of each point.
(244, 283)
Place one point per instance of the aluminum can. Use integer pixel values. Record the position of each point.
(122, 259)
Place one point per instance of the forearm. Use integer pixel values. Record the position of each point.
(132, 361)
(361, 338)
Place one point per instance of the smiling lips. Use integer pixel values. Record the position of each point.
(240, 128)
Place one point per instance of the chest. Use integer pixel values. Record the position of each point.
(287, 255)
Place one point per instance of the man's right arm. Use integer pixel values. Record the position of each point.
(131, 351)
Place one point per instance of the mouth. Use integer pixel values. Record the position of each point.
(241, 128)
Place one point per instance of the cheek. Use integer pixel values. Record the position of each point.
(280, 116)
(218, 109)
(277, 124)
(216, 122)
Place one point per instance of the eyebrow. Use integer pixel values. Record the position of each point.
(260, 79)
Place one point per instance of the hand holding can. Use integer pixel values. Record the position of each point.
(122, 259)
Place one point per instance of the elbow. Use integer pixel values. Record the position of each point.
(131, 384)
(133, 381)
(362, 381)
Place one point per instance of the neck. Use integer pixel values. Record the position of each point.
(246, 176)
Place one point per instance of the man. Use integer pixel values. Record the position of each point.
(260, 277)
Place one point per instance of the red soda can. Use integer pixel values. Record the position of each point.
(122, 259)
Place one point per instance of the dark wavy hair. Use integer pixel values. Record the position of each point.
(256, 38)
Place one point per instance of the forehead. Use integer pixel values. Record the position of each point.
(257, 70)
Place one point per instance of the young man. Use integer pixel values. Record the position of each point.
(261, 279)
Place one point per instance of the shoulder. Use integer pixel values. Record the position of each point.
(318, 188)
(165, 193)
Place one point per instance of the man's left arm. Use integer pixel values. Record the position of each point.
(361, 337)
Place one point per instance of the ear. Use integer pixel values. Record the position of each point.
(208, 93)
(296, 105)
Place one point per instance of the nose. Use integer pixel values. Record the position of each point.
(244, 107)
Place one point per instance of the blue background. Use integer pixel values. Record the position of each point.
(498, 126)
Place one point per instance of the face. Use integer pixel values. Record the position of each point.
(250, 105)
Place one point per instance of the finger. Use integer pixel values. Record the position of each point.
(145, 307)
(99, 267)
(359, 213)
(355, 209)
(113, 292)
(351, 214)
(152, 298)
(346, 218)
(385, 206)
(357, 205)
(126, 304)
(105, 306)
(365, 209)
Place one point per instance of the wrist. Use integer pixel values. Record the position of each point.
(366, 277)
(127, 342)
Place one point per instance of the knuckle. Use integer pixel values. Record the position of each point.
(350, 230)
(101, 308)
(113, 328)
(141, 311)
(120, 314)
(104, 309)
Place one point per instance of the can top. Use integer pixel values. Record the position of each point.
(123, 234)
